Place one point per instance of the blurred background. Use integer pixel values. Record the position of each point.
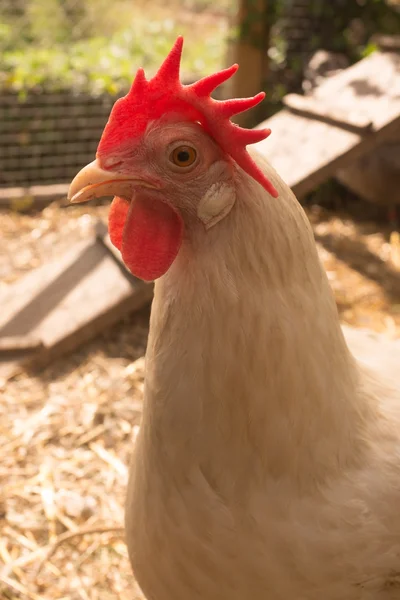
(73, 323)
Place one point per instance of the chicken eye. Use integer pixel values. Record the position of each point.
(183, 156)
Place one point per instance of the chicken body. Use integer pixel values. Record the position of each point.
(268, 462)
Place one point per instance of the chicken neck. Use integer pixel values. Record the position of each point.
(247, 366)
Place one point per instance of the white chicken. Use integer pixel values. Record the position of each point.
(267, 466)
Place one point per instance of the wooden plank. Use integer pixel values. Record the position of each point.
(67, 302)
(375, 176)
(370, 89)
(387, 42)
(306, 152)
(249, 48)
(18, 343)
(308, 106)
(32, 196)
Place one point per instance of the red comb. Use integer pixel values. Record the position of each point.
(164, 93)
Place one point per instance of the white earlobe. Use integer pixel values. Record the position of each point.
(216, 203)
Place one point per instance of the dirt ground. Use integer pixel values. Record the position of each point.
(66, 432)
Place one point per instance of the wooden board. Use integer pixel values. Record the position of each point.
(65, 303)
(386, 42)
(375, 176)
(308, 106)
(306, 152)
(35, 196)
(17, 343)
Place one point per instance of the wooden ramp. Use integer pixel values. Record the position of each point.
(345, 118)
(57, 307)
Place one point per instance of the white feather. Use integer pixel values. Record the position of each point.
(267, 466)
(216, 203)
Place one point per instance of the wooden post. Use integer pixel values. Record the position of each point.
(250, 51)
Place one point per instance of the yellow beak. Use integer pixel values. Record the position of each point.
(94, 182)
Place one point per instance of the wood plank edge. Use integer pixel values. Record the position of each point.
(364, 146)
(134, 302)
(32, 196)
(20, 343)
(299, 105)
(386, 42)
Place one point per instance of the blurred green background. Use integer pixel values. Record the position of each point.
(96, 45)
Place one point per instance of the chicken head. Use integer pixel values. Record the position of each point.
(172, 158)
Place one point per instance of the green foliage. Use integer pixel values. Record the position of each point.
(342, 26)
(348, 26)
(99, 46)
(257, 17)
(368, 49)
(46, 22)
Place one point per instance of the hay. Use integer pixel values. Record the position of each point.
(65, 439)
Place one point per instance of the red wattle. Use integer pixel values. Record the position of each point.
(116, 220)
(148, 232)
